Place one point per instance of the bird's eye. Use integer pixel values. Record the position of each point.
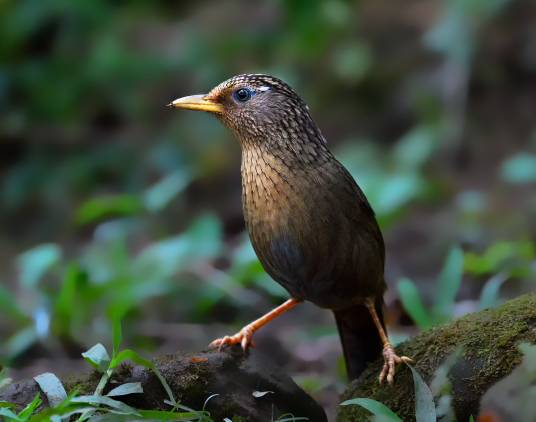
(242, 95)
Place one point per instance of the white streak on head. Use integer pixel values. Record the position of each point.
(264, 88)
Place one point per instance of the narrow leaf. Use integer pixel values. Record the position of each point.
(9, 414)
(110, 206)
(105, 401)
(374, 407)
(19, 342)
(449, 283)
(31, 407)
(34, 263)
(411, 300)
(489, 296)
(158, 196)
(425, 410)
(98, 357)
(52, 387)
(124, 389)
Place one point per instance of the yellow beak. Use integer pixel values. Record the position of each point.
(197, 102)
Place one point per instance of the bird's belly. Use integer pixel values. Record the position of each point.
(311, 264)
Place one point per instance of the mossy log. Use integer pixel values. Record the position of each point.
(193, 378)
(487, 343)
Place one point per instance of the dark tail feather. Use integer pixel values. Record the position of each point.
(360, 340)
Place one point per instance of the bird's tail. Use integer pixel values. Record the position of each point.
(361, 342)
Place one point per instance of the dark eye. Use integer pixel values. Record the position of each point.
(242, 95)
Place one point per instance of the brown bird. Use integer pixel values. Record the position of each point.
(310, 224)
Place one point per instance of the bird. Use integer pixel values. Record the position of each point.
(309, 222)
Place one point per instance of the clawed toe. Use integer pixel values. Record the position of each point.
(391, 359)
(219, 343)
(244, 337)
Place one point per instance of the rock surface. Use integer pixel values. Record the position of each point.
(193, 378)
(487, 343)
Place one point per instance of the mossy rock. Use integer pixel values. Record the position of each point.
(230, 374)
(488, 345)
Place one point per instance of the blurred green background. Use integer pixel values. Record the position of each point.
(112, 204)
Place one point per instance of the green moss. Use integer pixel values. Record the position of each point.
(488, 341)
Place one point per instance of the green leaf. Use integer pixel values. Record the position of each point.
(158, 196)
(9, 414)
(106, 401)
(127, 388)
(34, 263)
(20, 341)
(374, 407)
(425, 410)
(64, 309)
(521, 168)
(351, 62)
(411, 301)
(201, 241)
(112, 206)
(448, 285)
(98, 357)
(52, 387)
(415, 147)
(529, 358)
(31, 407)
(514, 257)
(395, 192)
(489, 296)
(205, 237)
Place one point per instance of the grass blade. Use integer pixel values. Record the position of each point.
(448, 285)
(125, 389)
(375, 407)
(411, 300)
(489, 297)
(425, 410)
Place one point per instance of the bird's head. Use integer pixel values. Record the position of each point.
(258, 108)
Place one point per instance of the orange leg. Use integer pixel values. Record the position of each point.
(389, 355)
(245, 335)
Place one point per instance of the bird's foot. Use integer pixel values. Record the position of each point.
(391, 359)
(244, 337)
